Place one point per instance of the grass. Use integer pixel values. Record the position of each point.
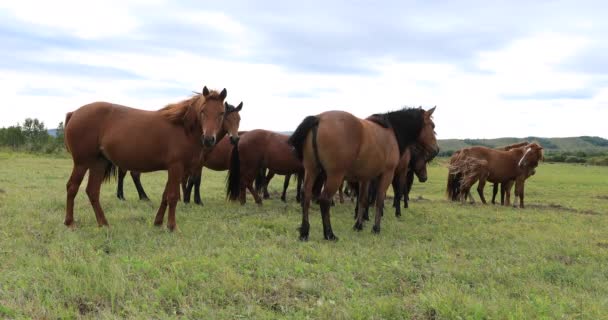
(439, 261)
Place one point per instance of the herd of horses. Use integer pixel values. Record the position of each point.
(324, 152)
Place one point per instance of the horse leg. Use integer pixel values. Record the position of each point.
(255, 195)
(309, 181)
(197, 189)
(383, 183)
(119, 188)
(341, 192)
(508, 187)
(409, 182)
(136, 176)
(96, 174)
(172, 196)
(502, 194)
(160, 214)
(187, 184)
(325, 199)
(72, 187)
(480, 186)
(362, 203)
(494, 192)
(299, 178)
(266, 182)
(285, 186)
(519, 191)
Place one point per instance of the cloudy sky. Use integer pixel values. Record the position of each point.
(492, 68)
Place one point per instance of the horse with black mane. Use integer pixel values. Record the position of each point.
(102, 136)
(335, 145)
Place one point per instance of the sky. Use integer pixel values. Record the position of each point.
(492, 68)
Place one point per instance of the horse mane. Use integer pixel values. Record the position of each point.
(513, 146)
(406, 124)
(183, 112)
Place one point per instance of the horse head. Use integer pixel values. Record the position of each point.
(209, 112)
(532, 155)
(232, 120)
(418, 165)
(427, 137)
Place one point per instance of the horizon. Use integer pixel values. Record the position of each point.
(490, 75)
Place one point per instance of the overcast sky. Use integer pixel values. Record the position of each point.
(492, 68)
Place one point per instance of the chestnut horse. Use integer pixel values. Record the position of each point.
(335, 145)
(500, 166)
(503, 186)
(230, 126)
(101, 136)
(259, 150)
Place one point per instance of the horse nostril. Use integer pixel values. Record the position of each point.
(234, 140)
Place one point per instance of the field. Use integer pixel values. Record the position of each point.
(439, 261)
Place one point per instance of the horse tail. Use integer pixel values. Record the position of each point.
(260, 178)
(68, 116)
(453, 186)
(110, 172)
(298, 137)
(233, 179)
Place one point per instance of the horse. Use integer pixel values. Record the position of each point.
(454, 179)
(409, 165)
(101, 136)
(503, 186)
(259, 150)
(230, 125)
(335, 145)
(502, 167)
(269, 177)
(217, 159)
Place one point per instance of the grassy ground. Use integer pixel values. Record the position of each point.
(439, 261)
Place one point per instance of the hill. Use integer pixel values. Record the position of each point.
(572, 144)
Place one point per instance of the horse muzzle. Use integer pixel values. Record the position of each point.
(422, 178)
(234, 140)
(208, 141)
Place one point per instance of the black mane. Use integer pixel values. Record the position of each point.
(406, 123)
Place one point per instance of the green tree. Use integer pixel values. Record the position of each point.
(35, 134)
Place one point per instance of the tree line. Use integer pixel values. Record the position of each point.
(32, 136)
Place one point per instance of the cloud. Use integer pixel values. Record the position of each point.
(493, 69)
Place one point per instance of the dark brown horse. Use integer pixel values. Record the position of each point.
(227, 136)
(101, 136)
(335, 145)
(259, 150)
(496, 166)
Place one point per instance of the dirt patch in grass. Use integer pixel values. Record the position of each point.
(2, 191)
(602, 197)
(559, 207)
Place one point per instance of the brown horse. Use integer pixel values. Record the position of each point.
(503, 185)
(217, 159)
(335, 145)
(101, 136)
(500, 166)
(259, 150)
(226, 137)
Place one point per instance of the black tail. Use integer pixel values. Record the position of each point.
(260, 178)
(453, 186)
(233, 180)
(298, 137)
(111, 172)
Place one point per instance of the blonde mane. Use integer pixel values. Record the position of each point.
(177, 112)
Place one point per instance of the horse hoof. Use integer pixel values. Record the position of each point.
(376, 229)
(158, 223)
(172, 227)
(398, 215)
(331, 237)
(70, 224)
(358, 226)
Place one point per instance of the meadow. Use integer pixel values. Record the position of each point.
(440, 260)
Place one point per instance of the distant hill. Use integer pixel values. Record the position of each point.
(571, 144)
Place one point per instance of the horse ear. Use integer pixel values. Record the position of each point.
(430, 111)
(239, 107)
(223, 94)
(205, 91)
